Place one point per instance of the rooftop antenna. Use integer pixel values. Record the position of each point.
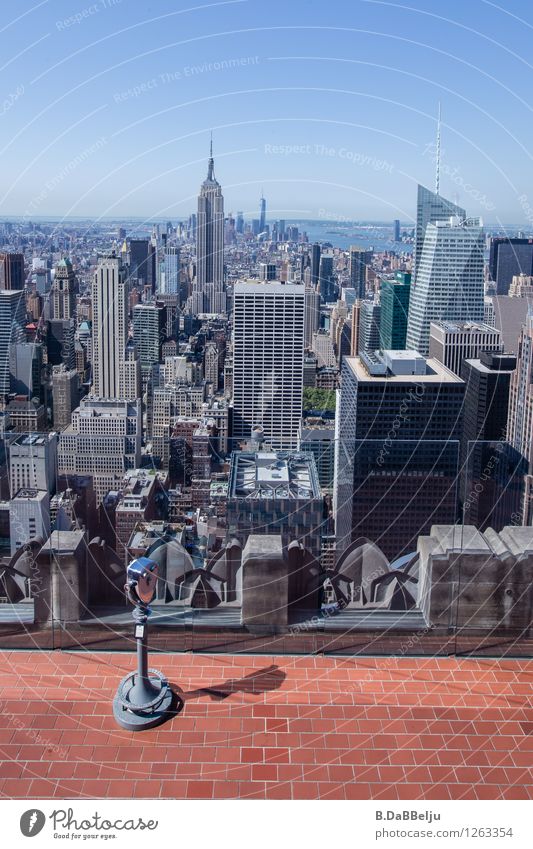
(211, 166)
(437, 163)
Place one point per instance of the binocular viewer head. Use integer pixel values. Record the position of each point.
(141, 580)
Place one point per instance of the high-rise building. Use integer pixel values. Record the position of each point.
(317, 436)
(491, 469)
(103, 440)
(26, 369)
(449, 279)
(430, 208)
(262, 214)
(172, 270)
(208, 289)
(268, 351)
(29, 517)
(32, 462)
(520, 418)
(369, 324)
(12, 321)
(63, 295)
(398, 426)
(143, 262)
(322, 346)
(149, 329)
(360, 260)
(312, 315)
(267, 270)
(452, 342)
(239, 223)
(65, 395)
(315, 264)
(61, 342)
(396, 235)
(275, 493)
(509, 257)
(394, 299)
(326, 281)
(11, 271)
(109, 329)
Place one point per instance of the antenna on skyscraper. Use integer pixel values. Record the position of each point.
(437, 161)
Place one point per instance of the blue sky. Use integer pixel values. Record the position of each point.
(106, 107)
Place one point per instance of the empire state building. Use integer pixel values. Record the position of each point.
(208, 289)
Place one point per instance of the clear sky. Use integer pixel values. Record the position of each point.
(328, 105)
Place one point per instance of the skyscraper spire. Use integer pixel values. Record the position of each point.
(211, 166)
(437, 160)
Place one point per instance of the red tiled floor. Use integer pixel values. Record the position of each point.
(271, 728)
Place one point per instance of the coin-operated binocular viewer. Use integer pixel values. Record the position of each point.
(144, 698)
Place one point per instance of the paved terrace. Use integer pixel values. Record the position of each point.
(271, 727)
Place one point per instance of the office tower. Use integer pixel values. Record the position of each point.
(32, 462)
(208, 289)
(356, 324)
(369, 325)
(451, 342)
(315, 265)
(449, 279)
(29, 517)
(267, 270)
(60, 342)
(103, 440)
(65, 395)
(262, 214)
(509, 316)
(491, 469)
(281, 230)
(509, 257)
(27, 368)
(312, 314)
(172, 270)
(292, 233)
(63, 295)
(316, 436)
(268, 350)
(239, 223)
(430, 208)
(360, 260)
(394, 299)
(275, 493)
(143, 262)
(394, 481)
(396, 235)
(326, 281)
(12, 321)
(40, 279)
(149, 331)
(322, 346)
(211, 364)
(11, 271)
(132, 371)
(110, 328)
(520, 418)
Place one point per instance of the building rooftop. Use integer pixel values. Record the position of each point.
(269, 727)
(268, 474)
(464, 326)
(435, 372)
